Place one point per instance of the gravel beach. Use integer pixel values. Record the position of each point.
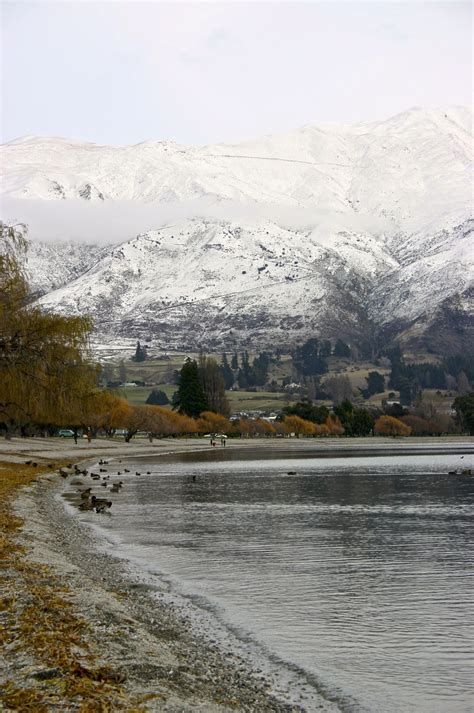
(163, 662)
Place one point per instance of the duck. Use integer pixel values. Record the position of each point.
(101, 507)
(85, 494)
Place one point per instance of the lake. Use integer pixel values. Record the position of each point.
(355, 572)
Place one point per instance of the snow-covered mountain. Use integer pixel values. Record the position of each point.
(336, 230)
(52, 265)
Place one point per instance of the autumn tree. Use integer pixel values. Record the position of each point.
(111, 413)
(333, 426)
(299, 426)
(45, 374)
(213, 423)
(264, 428)
(421, 426)
(390, 426)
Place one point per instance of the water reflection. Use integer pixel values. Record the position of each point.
(356, 570)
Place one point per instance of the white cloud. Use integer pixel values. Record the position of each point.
(117, 221)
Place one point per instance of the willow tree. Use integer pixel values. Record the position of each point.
(45, 375)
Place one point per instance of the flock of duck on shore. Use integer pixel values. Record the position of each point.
(88, 500)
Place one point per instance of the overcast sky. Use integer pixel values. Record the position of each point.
(123, 72)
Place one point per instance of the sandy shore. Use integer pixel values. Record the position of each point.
(150, 641)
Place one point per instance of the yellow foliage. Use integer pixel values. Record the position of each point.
(334, 426)
(264, 428)
(212, 422)
(391, 426)
(45, 376)
(299, 426)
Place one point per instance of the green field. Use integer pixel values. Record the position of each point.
(239, 400)
(159, 373)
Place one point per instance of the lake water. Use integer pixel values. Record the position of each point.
(356, 571)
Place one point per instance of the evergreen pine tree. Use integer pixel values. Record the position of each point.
(375, 383)
(157, 398)
(227, 373)
(190, 398)
(325, 348)
(140, 353)
(341, 349)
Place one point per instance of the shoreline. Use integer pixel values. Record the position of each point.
(149, 642)
(44, 449)
(165, 664)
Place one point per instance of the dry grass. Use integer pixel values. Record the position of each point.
(39, 627)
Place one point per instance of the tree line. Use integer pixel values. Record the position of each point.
(48, 379)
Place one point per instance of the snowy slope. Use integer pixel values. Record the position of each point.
(361, 227)
(52, 265)
(202, 282)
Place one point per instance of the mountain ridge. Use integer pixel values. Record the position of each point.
(381, 243)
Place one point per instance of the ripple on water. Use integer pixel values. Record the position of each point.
(357, 571)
